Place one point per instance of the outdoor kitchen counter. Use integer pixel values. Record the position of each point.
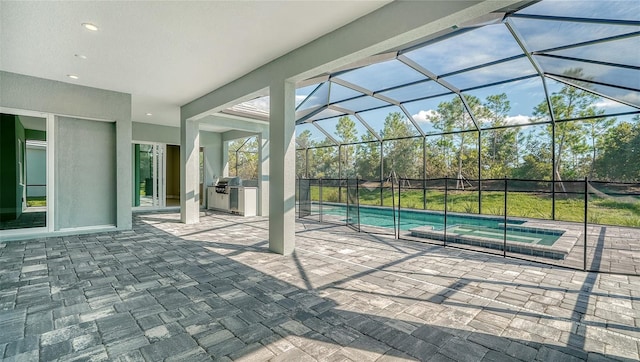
(241, 200)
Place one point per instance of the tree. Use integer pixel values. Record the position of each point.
(452, 117)
(347, 133)
(399, 147)
(536, 163)
(325, 160)
(595, 128)
(243, 158)
(437, 163)
(620, 152)
(322, 161)
(368, 157)
(571, 137)
(303, 142)
(499, 146)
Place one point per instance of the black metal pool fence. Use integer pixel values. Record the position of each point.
(597, 223)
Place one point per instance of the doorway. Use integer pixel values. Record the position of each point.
(149, 179)
(156, 173)
(23, 171)
(173, 176)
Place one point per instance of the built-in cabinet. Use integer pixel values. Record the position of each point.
(240, 200)
(217, 201)
(247, 201)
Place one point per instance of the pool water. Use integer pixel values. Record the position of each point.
(498, 233)
(465, 225)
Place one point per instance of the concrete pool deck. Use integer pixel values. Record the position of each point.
(170, 291)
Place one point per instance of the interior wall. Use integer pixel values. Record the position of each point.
(86, 173)
(36, 159)
(173, 172)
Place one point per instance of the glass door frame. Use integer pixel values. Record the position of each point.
(159, 175)
(50, 172)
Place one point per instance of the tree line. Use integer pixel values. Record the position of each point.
(243, 158)
(594, 146)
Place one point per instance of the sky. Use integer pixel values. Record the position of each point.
(492, 43)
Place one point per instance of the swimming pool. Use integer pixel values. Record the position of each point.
(479, 230)
(383, 217)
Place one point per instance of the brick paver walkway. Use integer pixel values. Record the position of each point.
(171, 291)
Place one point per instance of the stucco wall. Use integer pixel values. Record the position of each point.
(85, 173)
(69, 100)
(155, 133)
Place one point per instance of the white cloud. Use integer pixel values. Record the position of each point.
(607, 103)
(519, 119)
(423, 116)
(632, 97)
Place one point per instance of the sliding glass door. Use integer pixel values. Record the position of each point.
(23, 171)
(149, 175)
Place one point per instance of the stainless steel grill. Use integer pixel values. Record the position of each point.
(223, 185)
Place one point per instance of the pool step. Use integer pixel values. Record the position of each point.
(427, 232)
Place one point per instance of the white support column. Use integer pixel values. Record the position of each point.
(212, 143)
(124, 183)
(189, 172)
(263, 173)
(281, 154)
(225, 158)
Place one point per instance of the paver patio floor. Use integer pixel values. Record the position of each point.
(170, 291)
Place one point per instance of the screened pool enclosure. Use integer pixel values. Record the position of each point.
(528, 119)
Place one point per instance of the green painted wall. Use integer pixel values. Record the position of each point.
(136, 175)
(7, 167)
(35, 135)
(21, 171)
(11, 131)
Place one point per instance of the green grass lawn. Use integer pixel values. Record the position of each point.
(36, 201)
(528, 205)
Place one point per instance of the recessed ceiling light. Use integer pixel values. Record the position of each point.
(72, 76)
(90, 26)
(80, 56)
(149, 114)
